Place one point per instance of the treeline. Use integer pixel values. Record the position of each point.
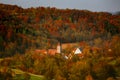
(43, 28)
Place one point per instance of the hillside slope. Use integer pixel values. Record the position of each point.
(43, 28)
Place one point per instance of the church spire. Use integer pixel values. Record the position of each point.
(59, 48)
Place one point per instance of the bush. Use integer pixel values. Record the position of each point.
(6, 74)
(104, 70)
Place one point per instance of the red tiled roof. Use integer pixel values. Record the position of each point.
(52, 51)
(43, 51)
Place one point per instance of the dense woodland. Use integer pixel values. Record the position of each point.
(23, 30)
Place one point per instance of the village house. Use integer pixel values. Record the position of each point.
(41, 52)
(74, 50)
(49, 51)
(78, 51)
(60, 48)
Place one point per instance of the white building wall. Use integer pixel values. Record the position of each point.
(58, 49)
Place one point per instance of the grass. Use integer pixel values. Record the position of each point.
(17, 71)
(36, 78)
(20, 73)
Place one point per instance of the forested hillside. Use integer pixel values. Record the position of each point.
(43, 28)
(23, 31)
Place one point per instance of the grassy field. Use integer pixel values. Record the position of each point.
(36, 78)
(32, 76)
(20, 74)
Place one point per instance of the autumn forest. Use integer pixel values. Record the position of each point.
(22, 31)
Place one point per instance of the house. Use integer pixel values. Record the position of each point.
(52, 51)
(58, 50)
(42, 52)
(49, 51)
(78, 51)
(46, 52)
(66, 45)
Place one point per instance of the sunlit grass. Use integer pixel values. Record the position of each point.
(17, 71)
(32, 76)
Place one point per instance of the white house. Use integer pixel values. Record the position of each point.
(77, 51)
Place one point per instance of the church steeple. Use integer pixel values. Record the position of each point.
(59, 48)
